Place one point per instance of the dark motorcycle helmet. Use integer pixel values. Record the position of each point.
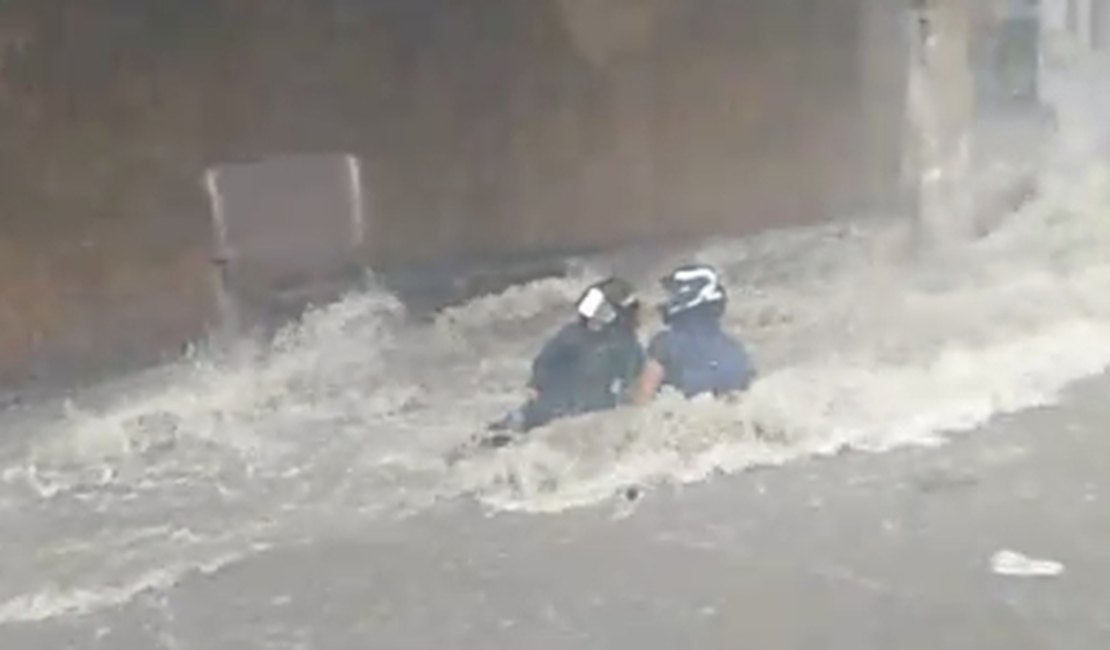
(608, 303)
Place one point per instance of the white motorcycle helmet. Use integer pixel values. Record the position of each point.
(692, 287)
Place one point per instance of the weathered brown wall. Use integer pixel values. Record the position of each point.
(717, 116)
(76, 309)
(485, 127)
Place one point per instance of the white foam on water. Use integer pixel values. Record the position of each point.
(862, 352)
(52, 603)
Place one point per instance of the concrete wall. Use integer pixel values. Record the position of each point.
(639, 120)
(486, 128)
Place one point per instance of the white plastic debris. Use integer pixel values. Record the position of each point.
(1014, 564)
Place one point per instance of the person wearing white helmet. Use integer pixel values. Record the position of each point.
(694, 354)
(591, 364)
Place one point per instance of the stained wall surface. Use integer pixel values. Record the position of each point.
(485, 128)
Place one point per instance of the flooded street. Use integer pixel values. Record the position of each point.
(914, 416)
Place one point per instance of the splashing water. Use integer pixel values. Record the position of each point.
(350, 413)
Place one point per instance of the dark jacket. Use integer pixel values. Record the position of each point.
(581, 371)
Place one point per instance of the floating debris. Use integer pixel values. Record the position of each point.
(1014, 564)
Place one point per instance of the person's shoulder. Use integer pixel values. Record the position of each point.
(572, 333)
(564, 336)
(569, 329)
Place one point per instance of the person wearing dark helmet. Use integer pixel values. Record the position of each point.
(693, 354)
(591, 364)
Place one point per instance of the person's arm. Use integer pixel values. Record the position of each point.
(651, 378)
(654, 370)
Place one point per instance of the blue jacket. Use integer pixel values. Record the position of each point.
(699, 357)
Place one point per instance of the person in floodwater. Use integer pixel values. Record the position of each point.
(693, 354)
(591, 364)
